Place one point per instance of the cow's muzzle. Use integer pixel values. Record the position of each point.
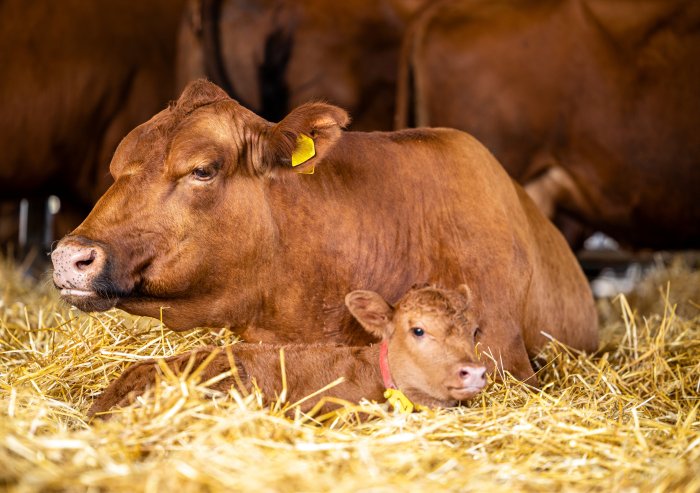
(79, 264)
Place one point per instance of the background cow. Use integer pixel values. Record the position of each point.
(76, 77)
(593, 104)
(273, 55)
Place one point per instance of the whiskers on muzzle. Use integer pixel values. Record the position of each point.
(106, 287)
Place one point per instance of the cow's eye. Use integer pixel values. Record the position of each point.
(477, 331)
(204, 173)
(418, 332)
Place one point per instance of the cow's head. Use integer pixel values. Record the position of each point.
(431, 341)
(186, 225)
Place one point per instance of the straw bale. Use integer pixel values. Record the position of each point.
(624, 419)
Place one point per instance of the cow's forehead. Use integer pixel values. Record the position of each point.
(150, 143)
(209, 123)
(142, 146)
(169, 123)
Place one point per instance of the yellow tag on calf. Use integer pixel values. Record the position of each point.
(398, 401)
(304, 151)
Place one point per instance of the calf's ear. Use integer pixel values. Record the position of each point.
(373, 313)
(303, 137)
(465, 291)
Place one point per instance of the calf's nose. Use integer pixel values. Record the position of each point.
(473, 376)
(76, 265)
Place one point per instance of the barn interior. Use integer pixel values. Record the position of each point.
(594, 115)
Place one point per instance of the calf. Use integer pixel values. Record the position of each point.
(427, 351)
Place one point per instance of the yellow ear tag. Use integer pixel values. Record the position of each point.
(305, 150)
(398, 401)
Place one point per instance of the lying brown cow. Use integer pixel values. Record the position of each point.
(208, 220)
(273, 55)
(594, 104)
(427, 352)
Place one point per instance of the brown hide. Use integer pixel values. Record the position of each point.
(595, 101)
(207, 219)
(308, 368)
(77, 76)
(273, 55)
(434, 368)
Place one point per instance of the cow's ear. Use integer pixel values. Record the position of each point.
(303, 137)
(373, 313)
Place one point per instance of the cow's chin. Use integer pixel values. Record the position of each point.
(88, 301)
(169, 311)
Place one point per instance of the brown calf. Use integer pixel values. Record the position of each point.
(427, 351)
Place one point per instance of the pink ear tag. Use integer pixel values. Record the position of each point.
(304, 151)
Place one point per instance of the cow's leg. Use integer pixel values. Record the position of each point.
(558, 196)
(575, 232)
(140, 377)
(518, 361)
(503, 348)
(132, 383)
(556, 188)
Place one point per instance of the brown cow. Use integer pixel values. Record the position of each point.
(273, 55)
(593, 104)
(208, 220)
(77, 76)
(427, 352)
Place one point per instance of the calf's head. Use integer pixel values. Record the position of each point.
(187, 225)
(431, 336)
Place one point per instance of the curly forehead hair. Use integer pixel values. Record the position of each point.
(197, 94)
(435, 300)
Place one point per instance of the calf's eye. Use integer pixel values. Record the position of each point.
(418, 332)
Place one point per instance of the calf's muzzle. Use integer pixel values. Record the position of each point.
(471, 379)
(473, 376)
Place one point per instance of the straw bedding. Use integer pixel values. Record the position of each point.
(625, 419)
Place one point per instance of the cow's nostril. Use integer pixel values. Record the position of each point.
(83, 263)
